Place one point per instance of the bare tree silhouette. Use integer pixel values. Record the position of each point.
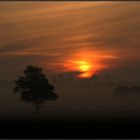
(34, 87)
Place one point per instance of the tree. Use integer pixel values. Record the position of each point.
(122, 89)
(34, 87)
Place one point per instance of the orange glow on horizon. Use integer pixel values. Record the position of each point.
(87, 63)
(85, 74)
(84, 64)
(84, 67)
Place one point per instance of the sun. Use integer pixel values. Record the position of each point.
(86, 69)
(87, 63)
(83, 66)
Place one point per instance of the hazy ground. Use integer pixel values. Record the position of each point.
(77, 99)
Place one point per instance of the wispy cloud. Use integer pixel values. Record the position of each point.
(54, 31)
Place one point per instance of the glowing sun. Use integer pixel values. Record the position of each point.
(85, 63)
(84, 67)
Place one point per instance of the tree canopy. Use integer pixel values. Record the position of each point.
(34, 86)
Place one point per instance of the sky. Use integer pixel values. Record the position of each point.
(65, 37)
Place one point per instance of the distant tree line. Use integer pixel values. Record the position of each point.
(123, 89)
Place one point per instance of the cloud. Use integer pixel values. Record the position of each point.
(15, 47)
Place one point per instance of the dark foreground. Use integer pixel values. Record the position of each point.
(71, 128)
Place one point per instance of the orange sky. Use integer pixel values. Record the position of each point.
(88, 37)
